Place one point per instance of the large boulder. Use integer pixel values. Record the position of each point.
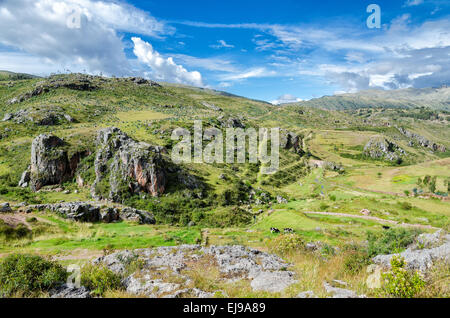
(123, 165)
(49, 162)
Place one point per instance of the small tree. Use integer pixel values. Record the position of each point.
(432, 185)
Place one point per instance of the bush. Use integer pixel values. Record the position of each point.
(390, 241)
(99, 279)
(401, 283)
(405, 205)
(355, 261)
(8, 232)
(286, 244)
(28, 275)
(228, 217)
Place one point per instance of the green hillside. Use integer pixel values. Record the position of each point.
(344, 154)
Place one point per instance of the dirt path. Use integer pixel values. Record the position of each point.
(375, 219)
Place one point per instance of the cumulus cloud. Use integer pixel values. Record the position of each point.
(285, 99)
(164, 69)
(40, 28)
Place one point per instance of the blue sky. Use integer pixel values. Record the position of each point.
(278, 51)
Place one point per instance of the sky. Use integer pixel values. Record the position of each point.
(277, 51)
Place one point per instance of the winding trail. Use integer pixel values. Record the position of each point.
(375, 219)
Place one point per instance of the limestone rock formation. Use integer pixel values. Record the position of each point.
(40, 115)
(421, 140)
(49, 162)
(123, 166)
(94, 212)
(290, 140)
(166, 271)
(383, 149)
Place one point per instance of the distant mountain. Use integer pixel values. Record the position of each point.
(434, 98)
(6, 75)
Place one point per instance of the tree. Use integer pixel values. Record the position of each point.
(432, 185)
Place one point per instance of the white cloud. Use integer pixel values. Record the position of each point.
(39, 28)
(221, 44)
(164, 69)
(252, 73)
(285, 99)
(412, 3)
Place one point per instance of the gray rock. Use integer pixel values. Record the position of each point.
(265, 271)
(65, 291)
(307, 294)
(142, 217)
(273, 281)
(340, 292)
(5, 208)
(117, 262)
(25, 178)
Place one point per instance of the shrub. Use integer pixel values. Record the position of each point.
(28, 275)
(355, 261)
(99, 279)
(8, 232)
(228, 217)
(327, 250)
(390, 241)
(286, 244)
(405, 205)
(401, 283)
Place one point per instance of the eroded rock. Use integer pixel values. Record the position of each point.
(123, 165)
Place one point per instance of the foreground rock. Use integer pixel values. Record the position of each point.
(123, 165)
(168, 271)
(338, 292)
(422, 255)
(94, 212)
(65, 291)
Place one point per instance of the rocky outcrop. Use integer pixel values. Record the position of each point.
(230, 122)
(421, 140)
(49, 162)
(42, 116)
(290, 140)
(95, 212)
(427, 250)
(123, 165)
(166, 271)
(79, 82)
(381, 148)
